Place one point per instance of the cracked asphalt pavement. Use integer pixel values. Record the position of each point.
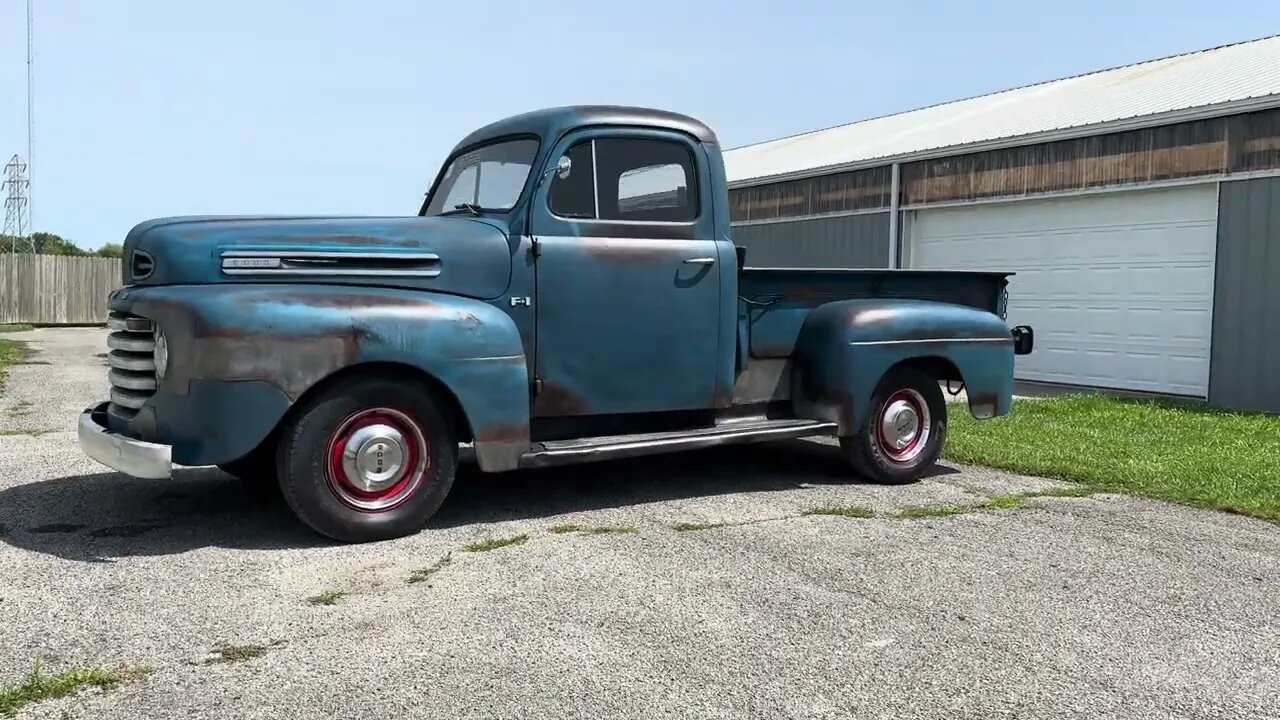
(1104, 606)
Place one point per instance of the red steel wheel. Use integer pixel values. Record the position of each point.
(377, 458)
(903, 433)
(902, 426)
(371, 457)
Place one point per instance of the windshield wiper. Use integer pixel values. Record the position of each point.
(468, 207)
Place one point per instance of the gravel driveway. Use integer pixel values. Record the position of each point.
(1093, 607)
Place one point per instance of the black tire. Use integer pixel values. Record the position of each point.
(873, 455)
(315, 481)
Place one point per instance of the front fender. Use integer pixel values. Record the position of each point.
(845, 347)
(276, 342)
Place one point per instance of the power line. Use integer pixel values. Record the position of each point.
(31, 137)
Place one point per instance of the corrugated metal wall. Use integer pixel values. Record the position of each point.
(1244, 370)
(853, 241)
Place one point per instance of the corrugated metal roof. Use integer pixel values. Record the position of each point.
(1231, 75)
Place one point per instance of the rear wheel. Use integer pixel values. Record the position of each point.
(366, 460)
(904, 432)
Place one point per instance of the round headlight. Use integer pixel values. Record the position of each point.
(161, 355)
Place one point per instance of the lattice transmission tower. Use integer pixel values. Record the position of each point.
(17, 238)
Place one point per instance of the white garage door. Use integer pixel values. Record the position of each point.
(1119, 287)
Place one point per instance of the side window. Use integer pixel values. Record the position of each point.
(627, 179)
(575, 196)
(645, 180)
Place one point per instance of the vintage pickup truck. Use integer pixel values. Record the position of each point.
(569, 291)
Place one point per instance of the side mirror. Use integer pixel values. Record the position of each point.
(562, 168)
(1024, 339)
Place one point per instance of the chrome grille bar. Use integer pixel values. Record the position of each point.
(132, 342)
(129, 398)
(132, 361)
(132, 380)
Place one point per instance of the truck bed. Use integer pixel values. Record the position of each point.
(775, 301)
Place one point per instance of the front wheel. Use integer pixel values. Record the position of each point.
(367, 460)
(904, 431)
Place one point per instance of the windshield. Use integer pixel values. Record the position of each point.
(487, 178)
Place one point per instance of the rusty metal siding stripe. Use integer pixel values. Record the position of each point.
(853, 241)
(1245, 356)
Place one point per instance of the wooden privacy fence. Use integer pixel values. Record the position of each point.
(56, 289)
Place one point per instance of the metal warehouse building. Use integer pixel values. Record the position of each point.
(1139, 207)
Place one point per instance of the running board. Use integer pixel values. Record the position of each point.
(622, 446)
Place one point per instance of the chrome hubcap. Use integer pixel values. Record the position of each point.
(373, 457)
(900, 424)
(903, 427)
(377, 458)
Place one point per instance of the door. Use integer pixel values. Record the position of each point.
(627, 298)
(1118, 286)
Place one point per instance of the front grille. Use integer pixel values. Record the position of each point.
(131, 356)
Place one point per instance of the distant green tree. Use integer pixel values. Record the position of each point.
(110, 250)
(50, 244)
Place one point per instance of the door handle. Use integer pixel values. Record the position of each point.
(700, 261)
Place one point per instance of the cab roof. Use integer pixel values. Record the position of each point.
(551, 123)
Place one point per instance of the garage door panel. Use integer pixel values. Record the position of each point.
(1119, 287)
(1117, 365)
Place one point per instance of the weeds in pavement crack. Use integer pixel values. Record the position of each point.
(690, 527)
(595, 529)
(228, 654)
(913, 512)
(425, 574)
(328, 597)
(848, 511)
(38, 686)
(495, 543)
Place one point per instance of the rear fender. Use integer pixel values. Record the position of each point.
(287, 338)
(845, 347)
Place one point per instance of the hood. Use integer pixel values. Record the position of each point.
(457, 255)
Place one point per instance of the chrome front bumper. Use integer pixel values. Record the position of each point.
(129, 456)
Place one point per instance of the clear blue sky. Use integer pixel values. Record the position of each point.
(153, 107)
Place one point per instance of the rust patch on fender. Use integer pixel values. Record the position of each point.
(292, 364)
(988, 398)
(983, 405)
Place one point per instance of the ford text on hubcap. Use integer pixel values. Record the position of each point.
(377, 459)
(903, 426)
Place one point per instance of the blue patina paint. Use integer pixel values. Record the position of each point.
(533, 316)
(845, 347)
(280, 340)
